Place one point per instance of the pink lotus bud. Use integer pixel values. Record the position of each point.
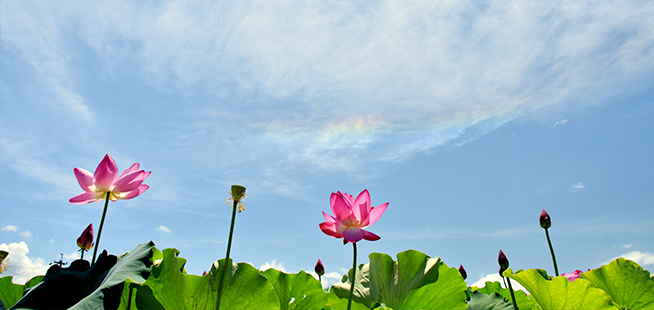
(572, 275)
(320, 269)
(503, 261)
(545, 220)
(85, 241)
(204, 273)
(463, 272)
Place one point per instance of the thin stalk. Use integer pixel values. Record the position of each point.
(556, 269)
(97, 240)
(515, 305)
(82, 256)
(228, 263)
(353, 277)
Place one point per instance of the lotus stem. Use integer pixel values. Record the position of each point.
(97, 240)
(549, 242)
(353, 277)
(515, 304)
(228, 264)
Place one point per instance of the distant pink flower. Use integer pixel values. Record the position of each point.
(545, 220)
(463, 272)
(351, 216)
(572, 275)
(105, 181)
(85, 241)
(320, 268)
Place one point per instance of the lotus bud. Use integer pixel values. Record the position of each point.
(545, 220)
(463, 272)
(320, 269)
(503, 261)
(85, 241)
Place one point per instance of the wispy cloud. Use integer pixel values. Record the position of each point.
(577, 187)
(641, 258)
(360, 87)
(39, 37)
(163, 229)
(26, 234)
(10, 228)
(429, 233)
(561, 122)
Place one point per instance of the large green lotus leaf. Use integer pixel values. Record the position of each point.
(628, 284)
(361, 292)
(524, 301)
(559, 293)
(391, 280)
(492, 301)
(10, 293)
(447, 292)
(414, 281)
(134, 265)
(305, 291)
(168, 287)
(338, 303)
(145, 300)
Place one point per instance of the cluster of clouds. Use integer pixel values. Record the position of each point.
(25, 234)
(360, 85)
(20, 266)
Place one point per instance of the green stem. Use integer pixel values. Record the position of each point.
(228, 263)
(515, 304)
(556, 268)
(97, 240)
(353, 277)
(82, 256)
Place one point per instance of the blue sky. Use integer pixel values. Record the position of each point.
(468, 118)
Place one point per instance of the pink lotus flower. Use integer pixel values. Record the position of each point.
(572, 275)
(85, 241)
(351, 216)
(104, 182)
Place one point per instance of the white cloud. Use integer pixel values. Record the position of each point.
(577, 187)
(640, 258)
(21, 266)
(626, 246)
(26, 234)
(163, 229)
(10, 228)
(273, 264)
(561, 122)
(495, 277)
(328, 279)
(72, 256)
(360, 85)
